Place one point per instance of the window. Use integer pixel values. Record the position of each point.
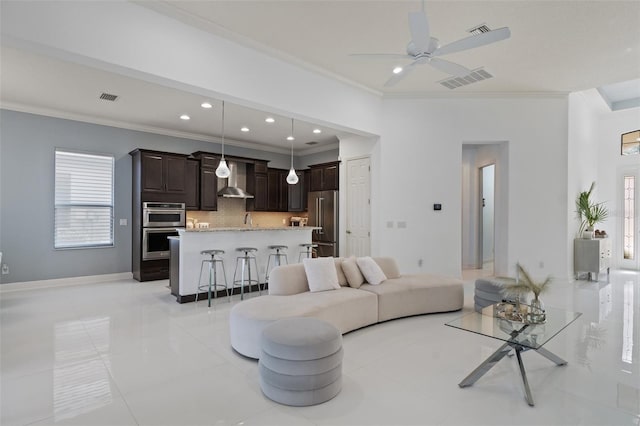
(83, 200)
(630, 143)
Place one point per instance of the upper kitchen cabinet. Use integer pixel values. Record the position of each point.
(298, 193)
(277, 190)
(208, 188)
(160, 176)
(324, 177)
(192, 190)
(257, 185)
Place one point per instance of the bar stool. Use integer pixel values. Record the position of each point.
(307, 251)
(244, 261)
(213, 261)
(277, 257)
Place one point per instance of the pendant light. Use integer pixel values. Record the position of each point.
(292, 177)
(223, 170)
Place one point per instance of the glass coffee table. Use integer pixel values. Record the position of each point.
(518, 336)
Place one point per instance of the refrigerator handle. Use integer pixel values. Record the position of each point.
(321, 215)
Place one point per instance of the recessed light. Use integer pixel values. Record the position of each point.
(291, 138)
(185, 117)
(270, 120)
(206, 105)
(316, 131)
(244, 129)
(397, 70)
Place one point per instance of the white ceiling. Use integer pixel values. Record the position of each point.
(555, 47)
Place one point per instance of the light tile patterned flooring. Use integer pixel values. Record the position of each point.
(125, 353)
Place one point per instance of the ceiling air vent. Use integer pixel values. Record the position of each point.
(479, 29)
(312, 143)
(476, 75)
(108, 97)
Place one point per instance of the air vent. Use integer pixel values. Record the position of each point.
(476, 75)
(108, 97)
(312, 143)
(479, 29)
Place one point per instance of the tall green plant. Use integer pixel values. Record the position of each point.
(588, 211)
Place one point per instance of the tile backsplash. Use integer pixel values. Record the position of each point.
(231, 213)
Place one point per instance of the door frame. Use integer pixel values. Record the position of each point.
(480, 251)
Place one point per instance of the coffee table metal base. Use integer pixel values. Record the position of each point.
(504, 350)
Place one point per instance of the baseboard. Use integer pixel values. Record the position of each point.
(63, 282)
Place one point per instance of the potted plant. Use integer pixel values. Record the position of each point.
(525, 284)
(589, 212)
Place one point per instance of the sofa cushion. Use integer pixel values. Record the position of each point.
(417, 294)
(287, 280)
(342, 280)
(321, 274)
(370, 270)
(352, 272)
(388, 266)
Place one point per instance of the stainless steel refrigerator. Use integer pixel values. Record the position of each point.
(323, 212)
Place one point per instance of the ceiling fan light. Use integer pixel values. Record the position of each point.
(292, 177)
(397, 70)
(223, 170)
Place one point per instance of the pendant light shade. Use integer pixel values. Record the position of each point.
(223, 170)
(292, 177)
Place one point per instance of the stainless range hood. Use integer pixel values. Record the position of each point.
(232, 190)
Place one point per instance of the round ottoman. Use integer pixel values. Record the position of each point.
(300, 361)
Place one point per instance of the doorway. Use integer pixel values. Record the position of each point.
(486, 249)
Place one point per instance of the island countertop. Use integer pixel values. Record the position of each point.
(252, 228)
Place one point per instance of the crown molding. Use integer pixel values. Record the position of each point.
(65, 115)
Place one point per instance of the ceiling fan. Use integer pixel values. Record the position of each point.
(424, 49)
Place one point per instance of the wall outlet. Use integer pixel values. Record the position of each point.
(5, 269)
(284, 221)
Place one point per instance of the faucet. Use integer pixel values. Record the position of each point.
(248, 220)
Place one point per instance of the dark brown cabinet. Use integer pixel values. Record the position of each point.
(208, 189)
(258, 186)
(277, 190)
(163, 173)
(192, 189)
(324, 177)
(298, 194)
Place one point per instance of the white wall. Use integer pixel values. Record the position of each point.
(421, 163)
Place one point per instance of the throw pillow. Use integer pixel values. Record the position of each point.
(321, 274)
(352, 272)
(371, 270)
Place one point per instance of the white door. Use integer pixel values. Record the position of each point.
(358, 207)
(629, 220)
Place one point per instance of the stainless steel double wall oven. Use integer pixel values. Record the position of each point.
(159, 221)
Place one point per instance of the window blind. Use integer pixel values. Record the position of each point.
(83, 199)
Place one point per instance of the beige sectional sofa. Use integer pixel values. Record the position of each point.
(347, 308)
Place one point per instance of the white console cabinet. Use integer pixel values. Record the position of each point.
(591, 256)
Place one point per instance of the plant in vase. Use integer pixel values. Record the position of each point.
(526, 284)
(589, 212)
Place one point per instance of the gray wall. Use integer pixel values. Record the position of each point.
(27, 144)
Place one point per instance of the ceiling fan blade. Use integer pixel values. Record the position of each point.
(419, 27)
(449, 67)
(380, 55)
(474, 41)
(395, 78)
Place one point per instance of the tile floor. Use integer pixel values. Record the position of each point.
(125, 353)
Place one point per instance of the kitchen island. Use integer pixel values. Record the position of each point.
(186, 258)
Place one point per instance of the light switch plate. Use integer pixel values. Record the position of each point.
(123, 222)
(402, 224)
